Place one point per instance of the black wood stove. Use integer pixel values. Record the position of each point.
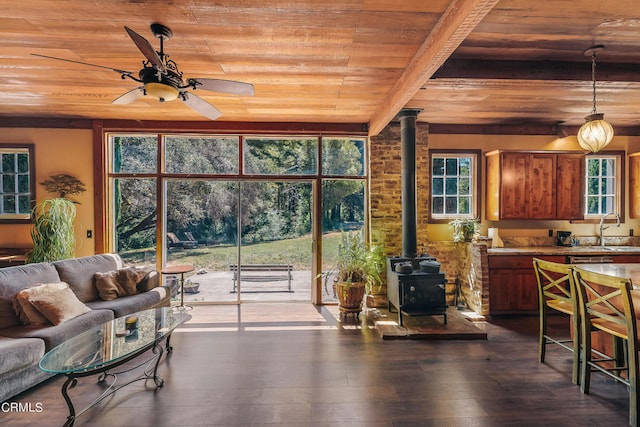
(415, 284)
(420, 292)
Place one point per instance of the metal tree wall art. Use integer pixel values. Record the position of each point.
(64, 184)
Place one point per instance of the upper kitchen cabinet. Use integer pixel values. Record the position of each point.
(570, 186)
(634, 185)
(534, 185)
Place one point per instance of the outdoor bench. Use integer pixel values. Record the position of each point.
(263, 273)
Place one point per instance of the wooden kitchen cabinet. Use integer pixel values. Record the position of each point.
(513, 288)
(634, 185)
(570, 183)
(513, 292)
(534, 185)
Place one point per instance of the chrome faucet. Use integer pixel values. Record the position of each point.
(604, 227)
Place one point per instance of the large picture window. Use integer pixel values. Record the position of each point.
(280, 156)
(222, 201)
(454, 180)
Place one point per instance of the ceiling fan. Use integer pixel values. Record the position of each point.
(161, 78)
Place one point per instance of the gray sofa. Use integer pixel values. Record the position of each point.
(21, 347)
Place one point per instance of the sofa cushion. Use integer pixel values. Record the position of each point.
(27, 312)
(53, 335)
(59, 305)
(19, 354)
(79, 272)
(123, 306)
(13, 280)
(119, 283)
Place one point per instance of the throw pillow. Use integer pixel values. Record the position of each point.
(25, 311)
(118, 283)
(59, 305)
(149, 281)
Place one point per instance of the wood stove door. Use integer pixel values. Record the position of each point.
(422, 298)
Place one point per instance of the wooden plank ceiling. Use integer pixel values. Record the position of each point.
(476, 63)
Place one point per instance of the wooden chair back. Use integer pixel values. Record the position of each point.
(556, 289)
(606, 305)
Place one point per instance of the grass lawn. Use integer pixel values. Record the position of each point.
(295, 251)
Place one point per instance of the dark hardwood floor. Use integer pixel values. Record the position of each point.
(295, 364)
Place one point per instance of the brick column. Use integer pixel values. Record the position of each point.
(385, 187)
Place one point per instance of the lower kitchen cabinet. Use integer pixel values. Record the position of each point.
(512, 284)
(512, 291)
(513, 288)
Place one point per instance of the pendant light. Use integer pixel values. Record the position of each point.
(596, 133)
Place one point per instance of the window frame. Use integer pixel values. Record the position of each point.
(106, 228)
(9, 218)
(619, 175)
(476, 177)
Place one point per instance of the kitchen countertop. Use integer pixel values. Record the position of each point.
(566, 250)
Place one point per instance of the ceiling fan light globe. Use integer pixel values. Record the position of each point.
(161, 91)
(595, 134)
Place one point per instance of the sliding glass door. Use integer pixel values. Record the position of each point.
(276, 250)
(202, 230)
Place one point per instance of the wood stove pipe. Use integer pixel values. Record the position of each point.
(408, 179)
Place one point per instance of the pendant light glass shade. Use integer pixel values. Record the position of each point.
(596, 133)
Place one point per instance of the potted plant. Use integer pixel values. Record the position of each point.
(464, 229)
(52, 231)
(358, 270)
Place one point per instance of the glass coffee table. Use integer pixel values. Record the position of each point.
(106, 347)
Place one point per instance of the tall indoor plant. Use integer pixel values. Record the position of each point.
(358, 269)
(52, 231)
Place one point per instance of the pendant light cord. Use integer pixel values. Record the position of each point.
(593, 79)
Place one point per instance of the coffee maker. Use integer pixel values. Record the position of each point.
(563, 238)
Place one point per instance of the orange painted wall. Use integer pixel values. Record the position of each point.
(57, 151)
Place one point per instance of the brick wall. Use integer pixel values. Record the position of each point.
(385, 187)
(457, 260)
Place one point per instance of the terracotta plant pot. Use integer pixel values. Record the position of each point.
(350, 297)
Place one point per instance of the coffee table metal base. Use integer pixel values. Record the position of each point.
(150, 372)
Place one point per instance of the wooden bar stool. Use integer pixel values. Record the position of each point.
(606, 306)
(556, 291)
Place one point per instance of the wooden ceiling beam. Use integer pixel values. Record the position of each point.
(458, 20)
(113, 125)
(557, 130)
(535, 70)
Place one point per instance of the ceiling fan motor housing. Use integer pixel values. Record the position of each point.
(164, 86)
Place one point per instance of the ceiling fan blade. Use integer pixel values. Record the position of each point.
(223, 86)
(200, 105)
(147, 50)
(123, 72)
(129, 97)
